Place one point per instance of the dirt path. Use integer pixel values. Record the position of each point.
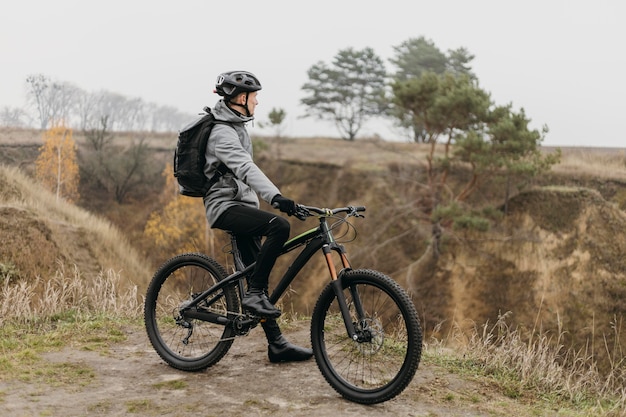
(130, 379)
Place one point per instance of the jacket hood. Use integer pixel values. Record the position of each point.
(224, 113)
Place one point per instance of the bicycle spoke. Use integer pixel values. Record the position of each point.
(382, 358)
(183, 342)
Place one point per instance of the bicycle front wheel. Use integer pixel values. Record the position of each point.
(189, 344)
(382, 362)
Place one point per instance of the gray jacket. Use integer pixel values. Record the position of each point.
(233, 147)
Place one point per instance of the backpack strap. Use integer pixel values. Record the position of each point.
(221, 169)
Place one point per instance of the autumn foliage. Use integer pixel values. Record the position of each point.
(56, 166)
(181, 225)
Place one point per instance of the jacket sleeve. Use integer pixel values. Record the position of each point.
(230, 151)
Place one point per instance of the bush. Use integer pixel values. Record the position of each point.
(8, 271)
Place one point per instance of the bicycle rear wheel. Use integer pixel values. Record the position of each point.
(189, 344)
(382, 363)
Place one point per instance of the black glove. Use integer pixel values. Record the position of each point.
(284, 204)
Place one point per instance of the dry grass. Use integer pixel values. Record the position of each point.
(535, 366)
(593, 162)
(67, 291)
(74, 228)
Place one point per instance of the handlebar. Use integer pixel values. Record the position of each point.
(302, 211)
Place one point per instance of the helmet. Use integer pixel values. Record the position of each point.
(231, 83)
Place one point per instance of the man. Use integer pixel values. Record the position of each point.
(232, 204)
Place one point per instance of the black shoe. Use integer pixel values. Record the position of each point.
(282, 351)
(256, 302)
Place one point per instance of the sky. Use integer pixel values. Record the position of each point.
(562, 61)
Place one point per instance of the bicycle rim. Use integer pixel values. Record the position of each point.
(188, 344)
(383, 362)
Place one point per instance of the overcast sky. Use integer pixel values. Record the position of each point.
(563, 61)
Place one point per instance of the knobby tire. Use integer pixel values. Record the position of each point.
(188, 345)
(382, 364)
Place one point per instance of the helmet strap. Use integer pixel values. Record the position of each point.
(245, 106)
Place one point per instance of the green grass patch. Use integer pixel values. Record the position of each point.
(140, 407)
(23, 344)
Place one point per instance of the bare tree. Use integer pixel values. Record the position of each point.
(165, 118)
(99, 137)
(86, 105)
(64, 102)
(53, 101)
(12, 116)
(39, 85)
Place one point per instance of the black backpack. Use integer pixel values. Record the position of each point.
(189, 156)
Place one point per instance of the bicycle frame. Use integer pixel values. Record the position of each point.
(318, 238)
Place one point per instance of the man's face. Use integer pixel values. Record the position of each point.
(252, 102)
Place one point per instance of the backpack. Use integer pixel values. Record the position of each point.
(189, 156)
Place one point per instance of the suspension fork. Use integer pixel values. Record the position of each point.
(337, 285)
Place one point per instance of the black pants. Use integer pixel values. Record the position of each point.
(249, 225)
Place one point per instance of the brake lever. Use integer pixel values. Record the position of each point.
(354, 213)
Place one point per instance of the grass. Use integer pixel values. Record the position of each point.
(528, 368)
(74, 228)
(72, 312)
(175, 384)
(533, 368)
(594, 162)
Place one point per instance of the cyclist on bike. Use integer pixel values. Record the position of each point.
(232, 204)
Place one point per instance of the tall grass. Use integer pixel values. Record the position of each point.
(20, 302)
(593, 162)
(537, 364)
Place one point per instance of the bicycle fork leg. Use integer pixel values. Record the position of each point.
(341, 299)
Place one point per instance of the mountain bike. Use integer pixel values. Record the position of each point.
(365, 333)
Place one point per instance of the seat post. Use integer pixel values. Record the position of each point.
(239, 265)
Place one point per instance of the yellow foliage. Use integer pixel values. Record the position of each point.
(171, 185)
(56, 166)
(180, 227)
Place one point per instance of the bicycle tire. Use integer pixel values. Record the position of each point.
(374, 370)
(188, 345)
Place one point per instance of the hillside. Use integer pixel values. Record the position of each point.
(551, 239)
(41, 236)
(555, 260)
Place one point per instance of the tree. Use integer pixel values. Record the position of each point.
(277, 117)
(52, 100)
(419, 68)
(56, 167)
(458, 62)
(347, 92)
(508, 147)
(39, 85)
(177, 227)
(500, 145)
(123, 170)
(119, 169)
(416, 56)
(435, 105)
(12, 116)
(99, 138)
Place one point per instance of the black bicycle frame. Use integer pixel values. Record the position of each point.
(313, 240)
